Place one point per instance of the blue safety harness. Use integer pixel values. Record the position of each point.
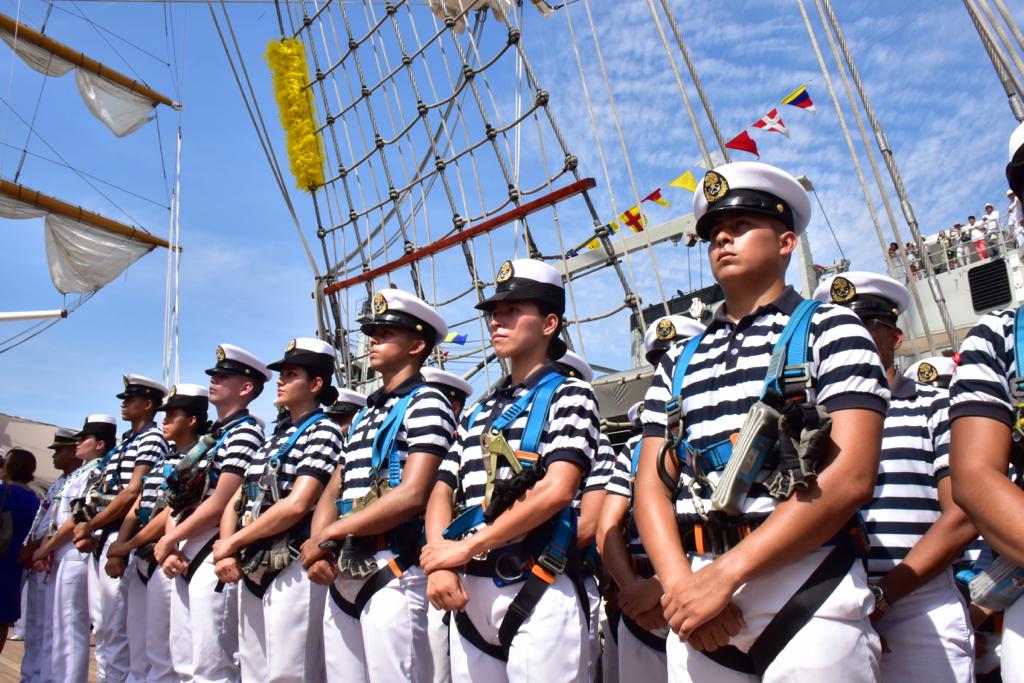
(560, 532)
(168, 468)
(385, 443)
(252, 489)
(788, 374)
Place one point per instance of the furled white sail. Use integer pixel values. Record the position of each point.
(43, 61)
(122, 110)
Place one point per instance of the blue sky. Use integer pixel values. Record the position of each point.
(245, 277)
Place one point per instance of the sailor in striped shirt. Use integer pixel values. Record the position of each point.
(915, 530)
(545, 638)
(140, 450)
(280, 611)
(985, 413)
(726, 577)
(148, 590)
(639, 626)
(204, 612)
(375, 627)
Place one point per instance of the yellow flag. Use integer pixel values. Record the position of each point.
(594, 243)
(685, 181)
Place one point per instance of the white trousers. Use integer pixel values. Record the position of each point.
(610, 651)
(1012, 656)
(437, 634)
(70, 654)
(136, 602)
(107, 605)
(38, 612)
(281, 634)
(204, 623)
(593, 625)
(837, 644)
(389, 641)
(929, 635)
(551, 646)
(643, 662)
(156, 627)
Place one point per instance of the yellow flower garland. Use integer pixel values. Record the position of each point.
(287, 59)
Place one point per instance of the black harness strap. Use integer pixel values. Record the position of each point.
(795, 614)
(614, 616)
(643, 635)
(195, 562)
(468, 631)
(378, 580)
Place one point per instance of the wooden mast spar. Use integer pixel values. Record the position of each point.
(30, 35)
(48, 203)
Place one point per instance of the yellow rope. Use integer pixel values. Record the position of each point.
(287, 59)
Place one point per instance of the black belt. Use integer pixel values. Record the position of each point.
(717, 536)
(644, 636)
(798, 610)
(380, 578)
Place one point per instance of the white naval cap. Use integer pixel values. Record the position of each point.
(137, 385)
(1015, 165)
(869, 295)
(348, 401)
(192, 398)
(936, 370)
(103, 426)
(234, 360)
(63, 437)
(751, 186)
(634, 413)
(315, 355)
(402, 309)
(667, 330)
(451, 384)
(578, 365)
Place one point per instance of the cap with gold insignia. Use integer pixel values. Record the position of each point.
(103, 427)
(1015, 166)
(667, 330)
(396, 308)
(869, 295)
(192, 398)
(936, 370)
(634, 413)
(315, 355)
(137, 385)
(577, 366)
(63, 437)
(234, 360)
(348, 402)
(527, 280)
(750, 186)
(453, 386)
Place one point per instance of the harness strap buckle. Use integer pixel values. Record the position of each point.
(796, 379)
(554, 564)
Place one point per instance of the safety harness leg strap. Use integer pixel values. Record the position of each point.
(795, 614)
(377, 581)
(649, 639)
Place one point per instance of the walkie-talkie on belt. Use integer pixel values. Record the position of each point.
(754, 443)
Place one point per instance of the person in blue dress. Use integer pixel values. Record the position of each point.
(18, 499)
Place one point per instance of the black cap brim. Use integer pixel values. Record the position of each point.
(525, 290)
(311, 362)
(753, 201)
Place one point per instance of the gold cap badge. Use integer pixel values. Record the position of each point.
(220, 353)
(842, 290)
(926, 373)
(715, 186)
(504, 273)
(665, 330)
(290, 347)
(380, 304)
(173, 391)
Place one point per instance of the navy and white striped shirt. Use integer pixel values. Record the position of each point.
(147, 449)
(154, 479)
(570, 434)
(621, 484)
(985, 370)
(315, 454)
(428, 426)
(238, 450)
(726, 374)
(915, 456)
(600, 473)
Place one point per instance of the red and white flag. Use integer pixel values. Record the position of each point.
(772, 122)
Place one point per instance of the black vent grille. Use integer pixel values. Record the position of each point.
(990, 286)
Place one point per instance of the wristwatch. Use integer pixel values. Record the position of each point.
(881, 604)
